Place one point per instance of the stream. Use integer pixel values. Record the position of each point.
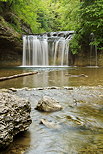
(79, 91)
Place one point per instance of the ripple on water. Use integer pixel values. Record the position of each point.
(81, 123)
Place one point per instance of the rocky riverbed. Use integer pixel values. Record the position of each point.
(77, 128)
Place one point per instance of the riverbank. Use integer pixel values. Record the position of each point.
(80, 121)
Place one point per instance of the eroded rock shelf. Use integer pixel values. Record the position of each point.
(14, 117)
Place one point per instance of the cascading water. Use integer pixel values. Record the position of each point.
(93, 51)
(46, 50)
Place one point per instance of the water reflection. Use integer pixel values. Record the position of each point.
(59, 78)
(40, 79)
(53, 77)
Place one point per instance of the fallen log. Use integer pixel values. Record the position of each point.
(17, 75)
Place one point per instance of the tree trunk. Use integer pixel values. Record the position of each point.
(17, 75)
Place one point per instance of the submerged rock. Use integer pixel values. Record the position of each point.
(80, 75)
(14, 117)
(75, 120)
(48, 104)
(49, 124)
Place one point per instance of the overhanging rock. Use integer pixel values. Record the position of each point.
(14, 117)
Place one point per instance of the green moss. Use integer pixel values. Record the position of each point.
(8, 31)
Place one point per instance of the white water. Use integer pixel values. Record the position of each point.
(93, 51)
(45, 51)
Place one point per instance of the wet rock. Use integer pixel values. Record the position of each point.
(40, 88)
(4, 90)
(83, 75)
(13, 89)
(53, 87)
(49, 124)
(14, 117)
(68, 88)
(75, 120)
(61, 34)
(48, 104)
(80, 75)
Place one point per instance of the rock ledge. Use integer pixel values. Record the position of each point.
(14, 117)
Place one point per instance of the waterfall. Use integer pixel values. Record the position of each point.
(47, 49)
(93, 51)
(24, 51)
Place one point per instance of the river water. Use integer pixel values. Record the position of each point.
(81, 120)
(53, 77)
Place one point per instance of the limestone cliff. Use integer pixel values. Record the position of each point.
(11, 30)
(10, 43)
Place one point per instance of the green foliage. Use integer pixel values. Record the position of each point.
(43, 15)
(69, 16)
(91, 21)
(40, 16)
(75, 44)
(90, 28)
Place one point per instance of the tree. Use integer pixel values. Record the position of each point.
(91, 19)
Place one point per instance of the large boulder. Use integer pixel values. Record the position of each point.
(48, 104)
(14, 117)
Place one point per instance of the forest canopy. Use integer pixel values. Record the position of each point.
(90, 30)
(44, 15)
(83, 16)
